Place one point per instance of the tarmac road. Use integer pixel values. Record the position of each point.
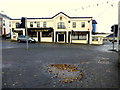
(23, 68)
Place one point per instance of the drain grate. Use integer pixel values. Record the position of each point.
(65, 72)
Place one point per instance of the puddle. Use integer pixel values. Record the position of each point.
(65, 73)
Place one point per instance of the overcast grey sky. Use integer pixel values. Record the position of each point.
(104, 11)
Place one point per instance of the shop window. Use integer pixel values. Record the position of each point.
(44, 24)
(75, 37)
(38, 24)
(20, 33)
(32, 34)
(79, 36)
(74, 24)
(46, 34)
(82, 24)
(83, 37)
(61, 25)
(17, 25)
(94, 38)
(31, 24)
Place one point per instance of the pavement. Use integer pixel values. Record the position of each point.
(22, 68)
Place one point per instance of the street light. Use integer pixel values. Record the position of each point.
(26, 32)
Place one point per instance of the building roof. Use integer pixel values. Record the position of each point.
(5, 16)
(55, 16)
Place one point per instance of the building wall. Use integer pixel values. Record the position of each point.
(53, 23)
(78, 25)
(6, 25)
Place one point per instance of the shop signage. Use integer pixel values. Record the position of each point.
(18, 31)
(38, 30)
(80, 32)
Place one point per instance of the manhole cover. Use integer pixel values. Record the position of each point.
(65, 72)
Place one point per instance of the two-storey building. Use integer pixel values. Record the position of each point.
(60, 28)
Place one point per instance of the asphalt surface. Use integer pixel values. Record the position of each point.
(22, 68)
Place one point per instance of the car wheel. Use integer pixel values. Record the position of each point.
(19, 41)
(30, 41)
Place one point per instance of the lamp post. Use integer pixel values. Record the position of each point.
(26, 32)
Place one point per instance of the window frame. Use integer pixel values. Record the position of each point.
(38, 24)
(31, 24)
(61, 25)
(82, 24)
(44, 24)
(74, 24)
(17, 25)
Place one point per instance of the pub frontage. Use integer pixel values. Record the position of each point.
(60, 28)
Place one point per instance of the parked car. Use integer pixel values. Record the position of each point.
(23, 38)
(8, 36)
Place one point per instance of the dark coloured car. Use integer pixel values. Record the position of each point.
(23, 38)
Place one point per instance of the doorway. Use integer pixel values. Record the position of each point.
(60, 37)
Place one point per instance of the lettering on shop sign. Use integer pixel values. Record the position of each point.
(18, 31)
(80, 33)
(38, 30)
(61, 33)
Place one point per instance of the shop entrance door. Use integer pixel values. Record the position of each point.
(61, 37)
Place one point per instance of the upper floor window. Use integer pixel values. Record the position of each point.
(17, 25)
(74, 24)
(38, 24)
(61, 25)
(3, 22)
(44, 24)
(82, 24)
(9, 24)
(31, 24)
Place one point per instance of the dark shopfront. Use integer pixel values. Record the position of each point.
(41, 33)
